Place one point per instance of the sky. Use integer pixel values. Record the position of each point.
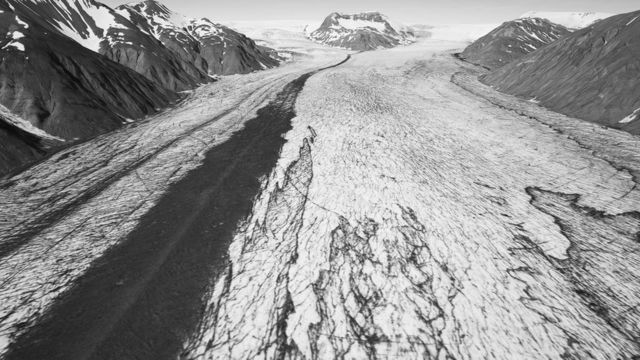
(407, 11)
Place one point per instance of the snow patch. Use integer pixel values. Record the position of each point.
(88, 36)
(15, 36)
(24, 125)
(4, 341)
(633, 116)
(20, 22)
(354, 24)
(16, 45)
(204, 28)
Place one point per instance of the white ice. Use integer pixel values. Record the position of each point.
(572, 20)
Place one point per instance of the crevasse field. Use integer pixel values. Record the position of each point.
(413, 213)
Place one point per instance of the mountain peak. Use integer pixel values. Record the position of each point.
(362, 31)
(513, 40)
(564, 74)
(572, 20)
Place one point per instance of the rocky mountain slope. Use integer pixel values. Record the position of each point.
(365, 31)
(78, 68)
(151, 39)
(571, 20)
(591, 74)
(213, 48)
(512, 40)
(21, 142)
(228, 51)
(64, 88)
(110, 33)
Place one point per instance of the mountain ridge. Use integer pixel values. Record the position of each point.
(590, 74)
(211, 47)
(363, 31)
(512, 40)
(64, 88)
(571, 20)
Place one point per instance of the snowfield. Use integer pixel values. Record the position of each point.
(288, 37)
(572, 20)
(460, 32)
(413, 213)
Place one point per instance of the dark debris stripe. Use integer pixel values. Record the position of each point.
(145, 296)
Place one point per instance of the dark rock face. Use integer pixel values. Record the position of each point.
(175, 53)
(513, 40)
(591, 74)
(228, 51)
(212, 48)
(365, 31)
(171, 59)
(17, 147)
(78, 68)
(121, 36)
(83, 20)
(21, 142)
(65, 89)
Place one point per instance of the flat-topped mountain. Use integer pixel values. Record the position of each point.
(365, 31)
(512, 40)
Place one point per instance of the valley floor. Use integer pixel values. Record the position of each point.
(411, 213)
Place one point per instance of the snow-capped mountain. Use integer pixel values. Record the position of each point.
(85, 21)
(112, 34)
(228, 51)
(55, 88)
(571, 20)
(590, 74)
(148, 38)
(62, 87)
(365, 31)
(512, 40)
(78, 68)
(214, 48)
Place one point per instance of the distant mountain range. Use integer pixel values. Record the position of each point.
(78, 68)
(512, 40)
(571, 20)
(365, 31)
